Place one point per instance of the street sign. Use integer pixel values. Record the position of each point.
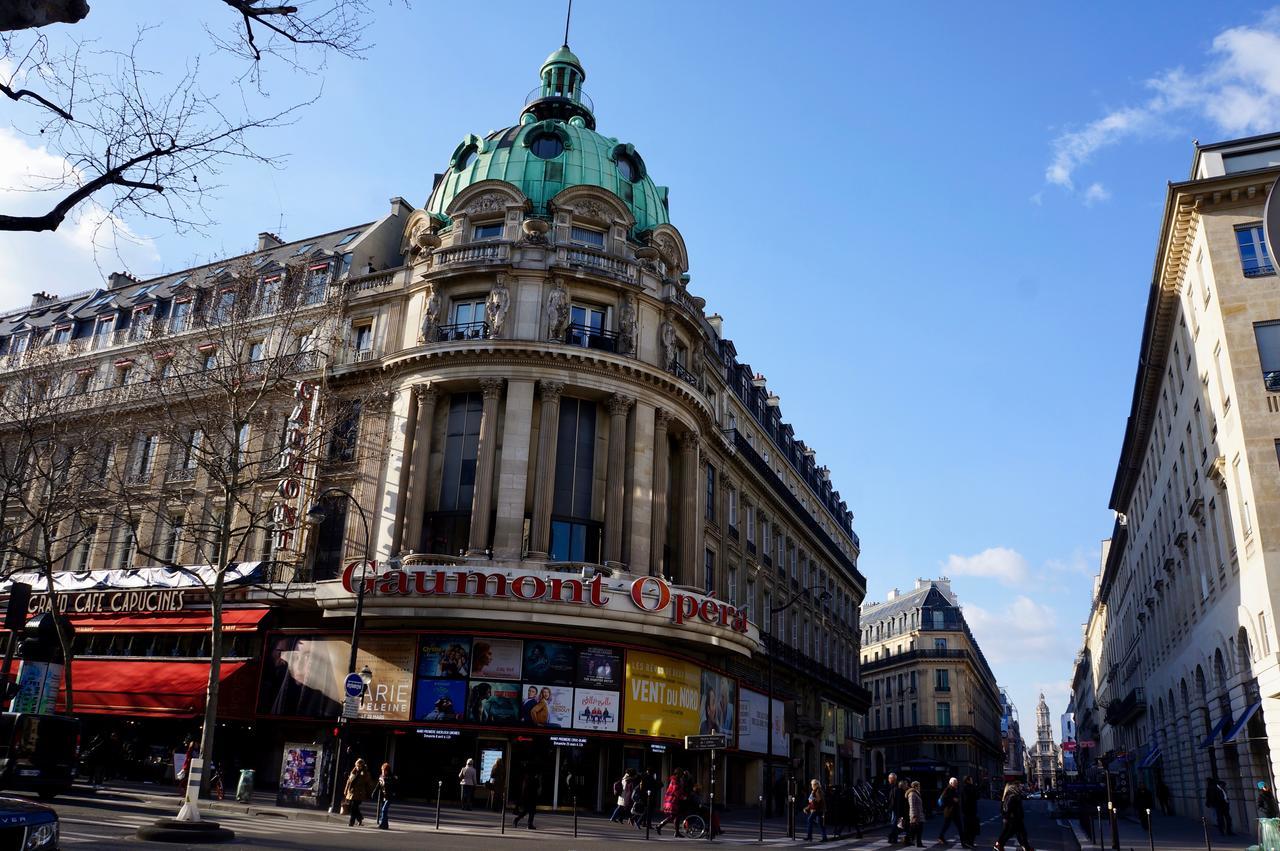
(353, 685)
(706, 742)
(1068, 746)
(1271, 223)
(350, 707)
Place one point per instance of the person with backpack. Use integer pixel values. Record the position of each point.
(623, 790)
(1015, 823)
(384, 793)
(949, 802)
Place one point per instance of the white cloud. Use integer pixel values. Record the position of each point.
(1237, 90)
(68, 259)
(1095, 193)
(1023, 629)
(1000, 563)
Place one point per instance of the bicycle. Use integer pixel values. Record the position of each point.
(694, 826)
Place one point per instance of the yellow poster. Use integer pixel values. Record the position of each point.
(663, 696)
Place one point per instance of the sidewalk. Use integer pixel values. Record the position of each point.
(1175, 833)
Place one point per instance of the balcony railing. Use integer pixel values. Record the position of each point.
(599, 261)
(179, 475)
(794, 658)
(589, 337)
(477, 252)
(683, 374)
(365, 355)
(1257, 270)
(912, 655)
(1272, 380)
(1129, 708)
(462, 331)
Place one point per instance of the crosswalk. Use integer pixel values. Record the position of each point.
(118, 827)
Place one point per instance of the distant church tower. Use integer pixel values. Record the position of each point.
(1044, 769)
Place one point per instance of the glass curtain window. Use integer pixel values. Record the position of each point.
(461, 444)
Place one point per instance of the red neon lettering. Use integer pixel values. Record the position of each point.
(598, 599)
(481, 584)
(518, 586)
(637, 594)
(394, 582)
(575, 586)
(685, 608)
(348, 576)
(709, 611)
(420, 582)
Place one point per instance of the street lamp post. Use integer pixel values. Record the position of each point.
(768, 652)
(315, 516)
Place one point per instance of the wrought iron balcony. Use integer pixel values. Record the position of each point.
(1257, 270)
(590, 337)
(683, 374)
(462, 331)
(1129, 708)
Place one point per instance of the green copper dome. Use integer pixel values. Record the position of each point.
(554, 147)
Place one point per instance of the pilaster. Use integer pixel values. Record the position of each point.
(545, 473)
(661, 484)
(416, 496)
(513, 470)
(482, 496)
(615, 478)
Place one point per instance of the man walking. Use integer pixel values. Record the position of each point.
(1216, 799)
(896, 805)
(950, 801)
(468, 777)
(969, 812)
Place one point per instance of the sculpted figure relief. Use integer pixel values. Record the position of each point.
(430, 314)
(668, 335)
(557, 311)
(496, 307)
(628, 326)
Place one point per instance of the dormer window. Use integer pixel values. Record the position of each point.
(466, 158)
(489, 230)
(587, 236)
(61, 335)
(180, 316)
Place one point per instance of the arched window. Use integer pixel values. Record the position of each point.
(546, 145)
(1244, 653)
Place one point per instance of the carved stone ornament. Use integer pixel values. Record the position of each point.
(535, 231)
(619, 405)
(557, 311)
(667, 248)
(430, 314)
(589, 208)
(497, 306)
(661, 419)
(628, 326)
(490, 388)
(488, 202)
(667, 334)
(549, 391)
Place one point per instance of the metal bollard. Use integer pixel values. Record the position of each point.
(575, 815)
(1151, 830)
(648, 813)
(791, 816)
(762, 818)
(1208, 844)
(1097, 836)
(439, 790)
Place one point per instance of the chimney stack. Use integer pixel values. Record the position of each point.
(266, 240)
(42, 297)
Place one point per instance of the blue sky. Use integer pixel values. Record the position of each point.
(930, 225)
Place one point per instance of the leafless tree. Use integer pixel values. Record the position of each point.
(239, 410)
(140, 143)
(50, 482)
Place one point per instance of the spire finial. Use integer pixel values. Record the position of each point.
(567, 15)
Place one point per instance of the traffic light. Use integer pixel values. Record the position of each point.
(40, 639)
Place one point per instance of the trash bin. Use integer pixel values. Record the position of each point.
(1269, 832)
(244, 789)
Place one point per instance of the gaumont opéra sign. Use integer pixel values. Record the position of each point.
(646, 593)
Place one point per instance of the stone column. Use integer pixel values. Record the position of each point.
(661, 463)
(513, 470)
(415, 498)
(406, 465)
(640, 502)
(689, 526)
(615, 478)
(545, 474)
(482, 496)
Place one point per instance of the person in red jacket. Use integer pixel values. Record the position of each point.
(672, 803)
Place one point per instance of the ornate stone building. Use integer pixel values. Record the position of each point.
(936, 709)
(1044, 756)
(586, 512)
(1181, 645)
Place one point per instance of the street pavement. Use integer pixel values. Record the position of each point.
(108, 820)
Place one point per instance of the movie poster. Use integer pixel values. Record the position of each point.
(497, 658)
(493, 703)
(549, 663)
(303, 676)
(719, 705)
(600, 667)
(546, 706)
(663, 696)
(441, 700)
(444, 656)
(595, 710)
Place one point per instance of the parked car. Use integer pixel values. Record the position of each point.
(27, 825)
(38, 753)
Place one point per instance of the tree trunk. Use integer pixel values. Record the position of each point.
(210, 724)
(64, 640)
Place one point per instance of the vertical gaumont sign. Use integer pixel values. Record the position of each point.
(291, 491)
(645, 593)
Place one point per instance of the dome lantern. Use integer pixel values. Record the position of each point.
(561, 96)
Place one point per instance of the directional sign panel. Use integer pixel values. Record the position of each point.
(706, 742)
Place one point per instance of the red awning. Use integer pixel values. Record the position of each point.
(233, 620)
(160, 689)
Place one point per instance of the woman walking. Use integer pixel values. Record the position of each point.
(1015, 823)
(468, 777)
(384, 793)
(815, 810)
(358, 789)
(915, 815)
(672, 802)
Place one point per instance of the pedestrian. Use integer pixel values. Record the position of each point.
(672, 803)
(969, 824)
(915, 814)
(1142, 801)
(897, 798)
(498, 784)
(814, 810)
(1163, 795)
(949, 801)
(468, 777)
(1215, 798)
(623, 789)
(1266, 801)
(1015, 822)
(385, 793)
(527, 797)
(359, 788)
